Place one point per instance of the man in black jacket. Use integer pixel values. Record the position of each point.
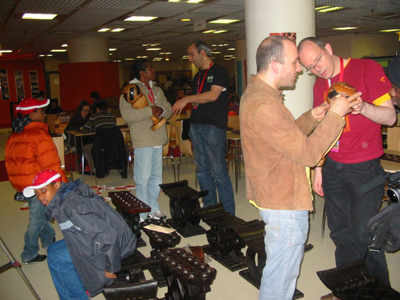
(96, 238)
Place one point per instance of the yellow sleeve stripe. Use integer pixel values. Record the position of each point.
(381, 99)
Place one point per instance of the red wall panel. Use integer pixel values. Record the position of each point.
(78, 80)
(25, 66)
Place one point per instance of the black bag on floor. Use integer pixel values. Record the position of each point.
(353, 282)
(385, 229)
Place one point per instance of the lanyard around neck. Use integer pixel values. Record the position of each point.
(341, 74)
(200, 87)
(151, 95)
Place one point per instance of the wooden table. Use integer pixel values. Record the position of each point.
(233, 136)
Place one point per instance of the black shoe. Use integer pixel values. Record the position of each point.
(37, 259)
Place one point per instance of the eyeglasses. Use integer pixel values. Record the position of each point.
(310, 68)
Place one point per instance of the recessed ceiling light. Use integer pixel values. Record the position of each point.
(118, 29)
(112, 49)
(58, 50)
(220, 31)
(390, 30)
(140, 18)
(30, 16)
(153, 49)
(103, 29)
(325, 9)
(344, 28)
(224, 21)
(186, 20)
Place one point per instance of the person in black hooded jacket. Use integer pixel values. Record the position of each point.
(96, 237)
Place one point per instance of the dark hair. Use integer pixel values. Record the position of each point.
(312, 39)
(81, 105)
(138, 65)
(102, 105)
(95, 95)
(271, 49)
(201, 45)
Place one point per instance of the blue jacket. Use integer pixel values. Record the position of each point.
(96, 235)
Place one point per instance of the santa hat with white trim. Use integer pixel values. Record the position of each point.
(41, 179)
(26, 106)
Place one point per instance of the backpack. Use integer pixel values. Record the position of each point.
(385, 229)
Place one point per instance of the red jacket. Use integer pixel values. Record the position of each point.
(30, 152)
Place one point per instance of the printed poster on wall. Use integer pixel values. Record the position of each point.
(34, 83)
(19, 83)
(5, 94)
(290, 35)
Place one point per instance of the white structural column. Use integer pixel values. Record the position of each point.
(88, 49)
(264, 17)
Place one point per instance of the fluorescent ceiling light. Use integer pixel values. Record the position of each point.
(220, 31)
(41, 55)
(49, 55)
(224, 21)
(195, 1)
(186, 20)
(144, 56)
(5, 51)
(153, 49)
(112, 49)
(129, 58)
(390, 30)
(58, 50)
(118, 29)
(151, 45)
(64, 45)
(30, 16)
(231, 49)
(325, 9)
(140, 18)
(209, 31)
(216, 52)
(174, 0)
(344, 28)
(103, 29)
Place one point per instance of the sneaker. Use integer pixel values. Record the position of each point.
(37, 259)
(157, 215)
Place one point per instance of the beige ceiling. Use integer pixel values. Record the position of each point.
(82, 18)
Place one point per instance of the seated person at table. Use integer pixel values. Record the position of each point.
(77, 121)
(96, 237)
(101, 119)
(53, 107)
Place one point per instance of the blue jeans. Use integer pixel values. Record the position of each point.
(348, 212)
(209, 144)
(65, 277)
(285, 235)
(38, 227)
(148, 176)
